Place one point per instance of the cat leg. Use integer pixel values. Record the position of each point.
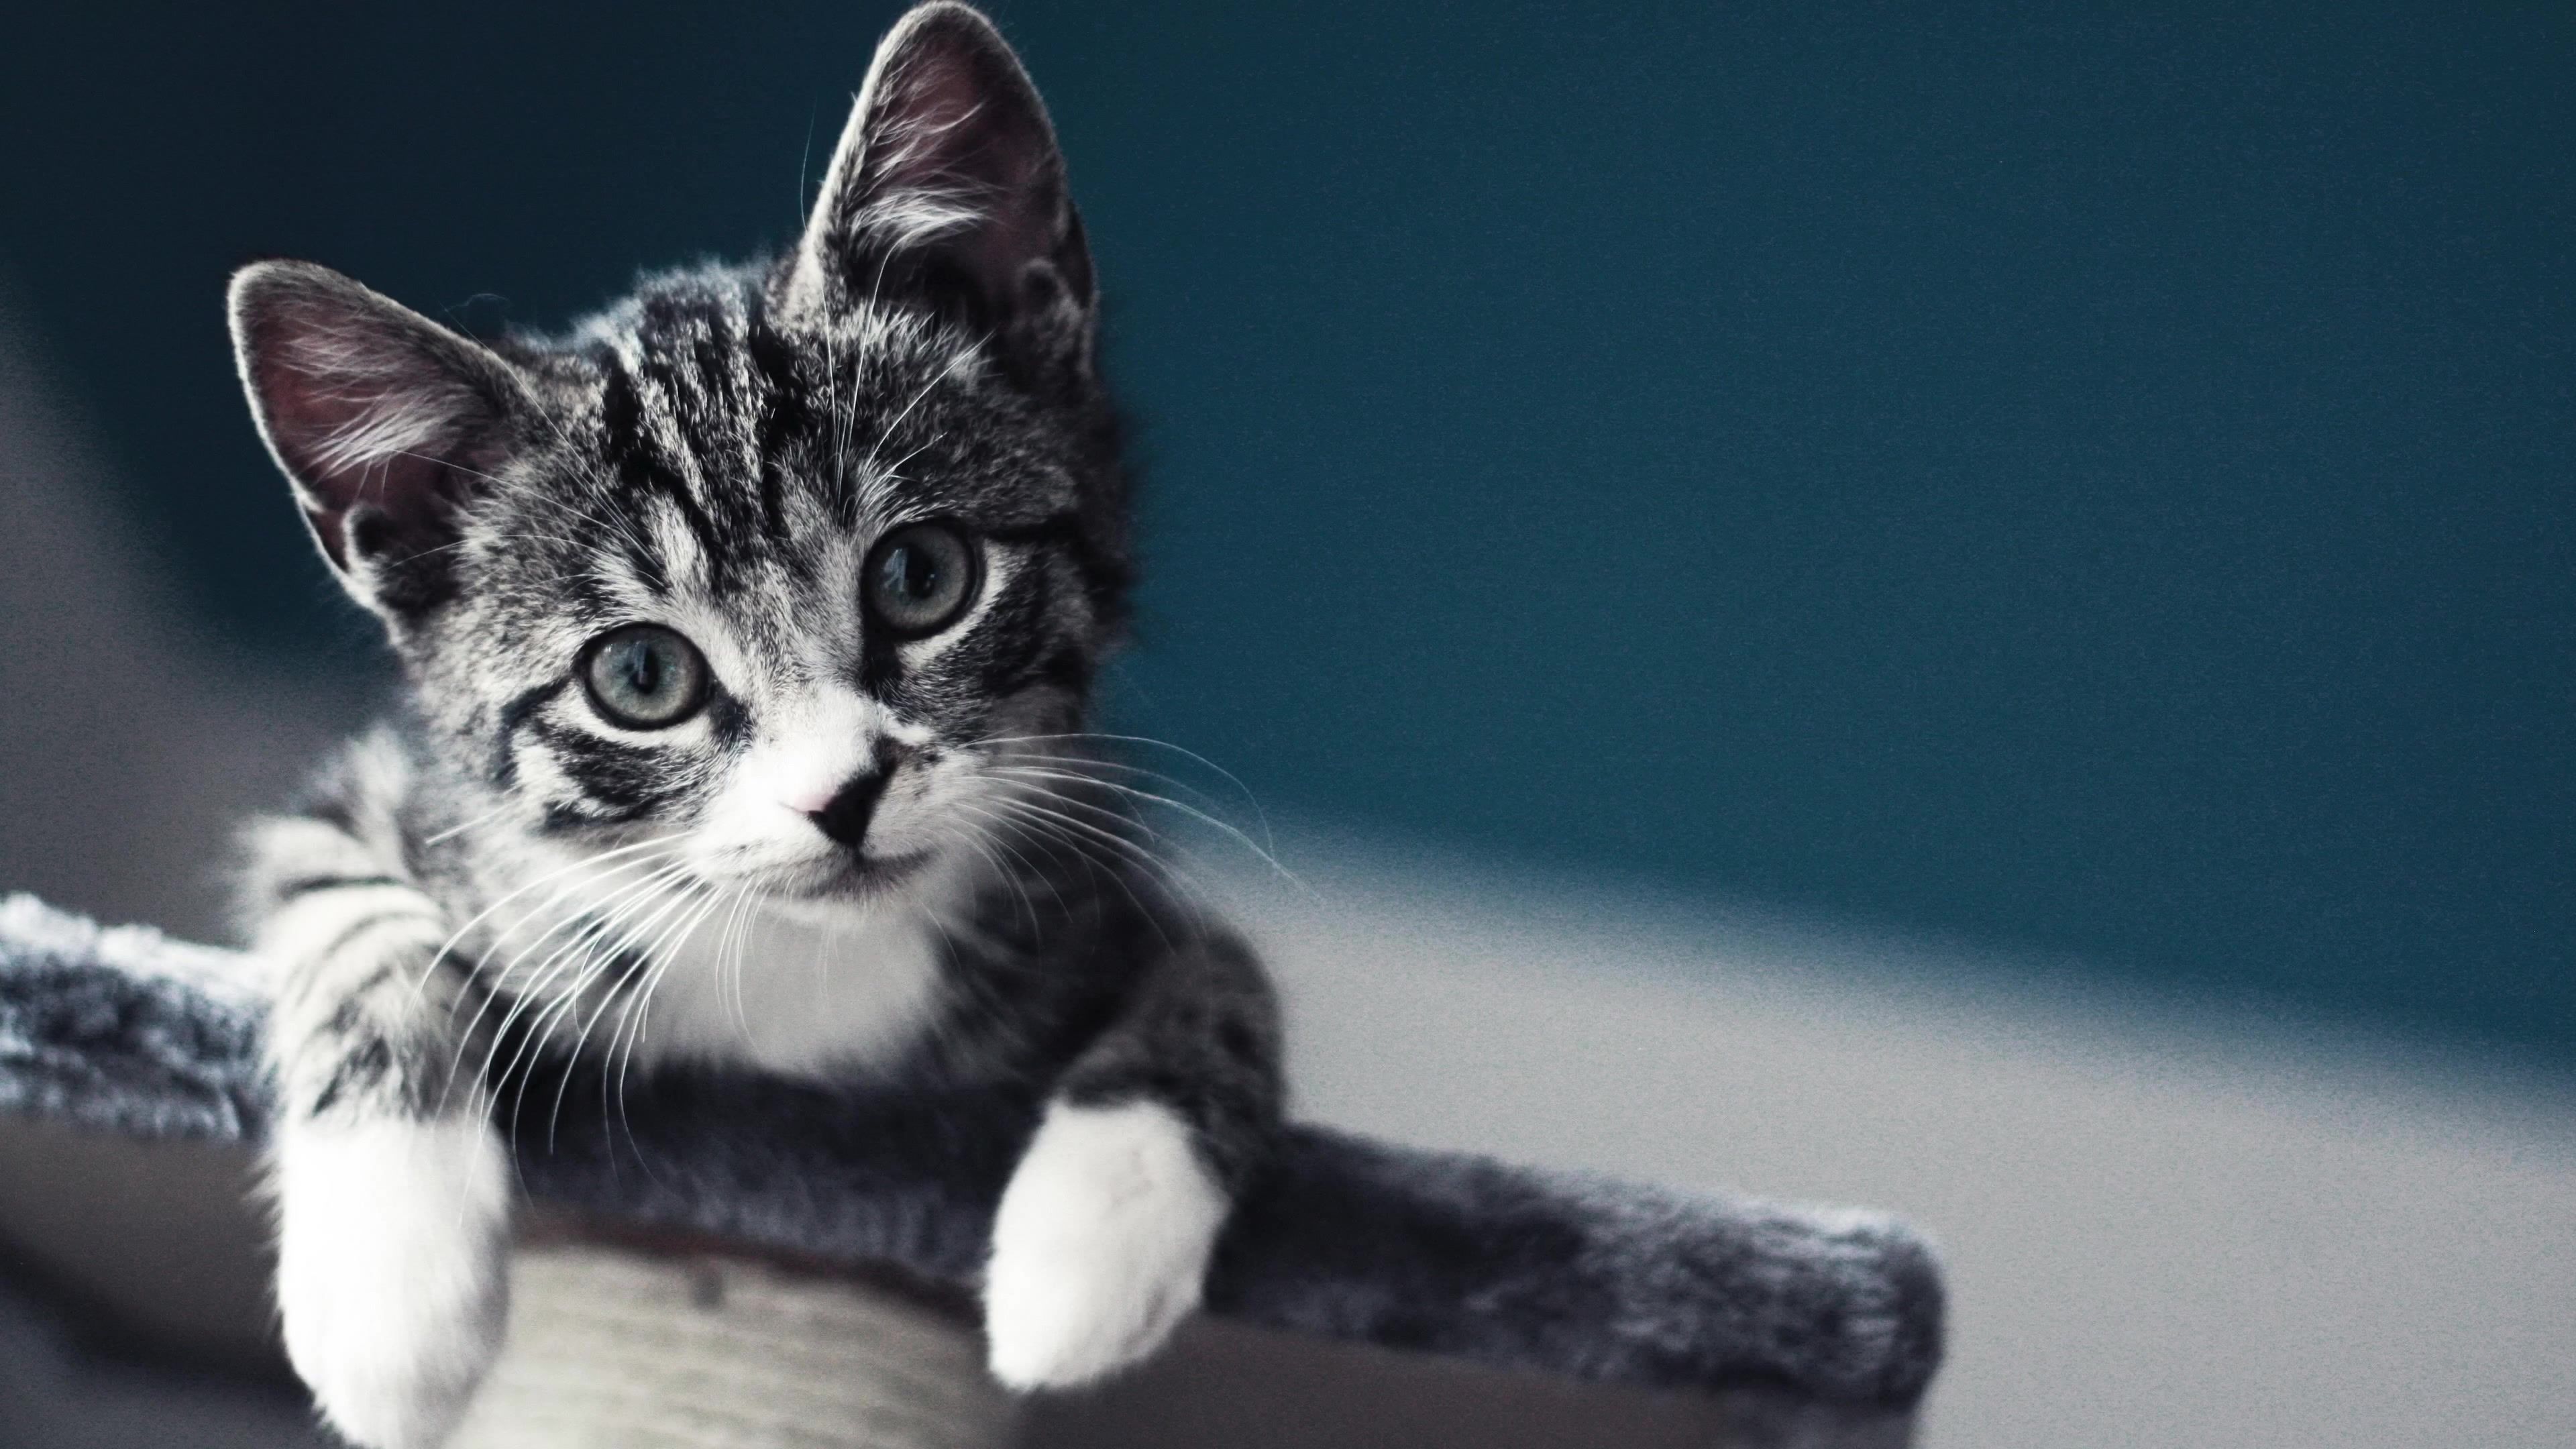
(1101, 1244)
(392, 1192)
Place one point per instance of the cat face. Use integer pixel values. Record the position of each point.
(789, 589)
(778, 563)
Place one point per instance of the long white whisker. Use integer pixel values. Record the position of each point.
(1142, 859)
(501, 943)
(495, 990)
(604, 924)
(636, 1022)
(480, 916)
(738, 955)
(926, 389)
(1246, 841)
(1193, 756)
(1103, 762)
(989, 849)
(647, 958)
(566, 1003)
(483, 819)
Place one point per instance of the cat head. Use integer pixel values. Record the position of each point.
(772, 561)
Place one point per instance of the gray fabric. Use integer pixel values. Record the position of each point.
(58, 1392)
(1340, 1237)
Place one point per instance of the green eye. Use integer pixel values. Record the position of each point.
(644, 677)
(919, 578)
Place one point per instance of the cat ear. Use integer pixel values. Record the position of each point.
(384, 422)
(947, 187)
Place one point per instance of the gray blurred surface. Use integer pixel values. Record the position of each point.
(132, 741)
(129, 747)
(55, 1395)
(2158, 1231)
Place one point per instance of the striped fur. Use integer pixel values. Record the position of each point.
(506, 880)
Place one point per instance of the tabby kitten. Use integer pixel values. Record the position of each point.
(748, 629)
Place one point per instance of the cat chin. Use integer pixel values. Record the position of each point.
(833, 888)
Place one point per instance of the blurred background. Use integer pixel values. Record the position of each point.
(1970, 608)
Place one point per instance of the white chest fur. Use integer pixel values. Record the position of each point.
(796, 994)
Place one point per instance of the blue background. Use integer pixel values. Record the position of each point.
(2092, 484)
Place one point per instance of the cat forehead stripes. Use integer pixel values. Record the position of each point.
(883, 464)
(748, 444)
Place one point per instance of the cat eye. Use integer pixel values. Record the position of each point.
(919, 578)
(644, 677)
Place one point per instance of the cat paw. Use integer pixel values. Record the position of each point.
(1100, 1245)
(391, 1271)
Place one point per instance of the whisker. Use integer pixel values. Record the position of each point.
(604, 864)
(594, 928)
(1148, 742)
(637, 1023)
(926, 389)
(730, 950)
(990, 850)
(1148, 796)
(670, 936)
(1044, 818)
(483, 819)
(502, 942)
(523, 1063)
(480, 916)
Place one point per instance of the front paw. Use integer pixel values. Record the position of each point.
(1100, 1245)
(391, 1270)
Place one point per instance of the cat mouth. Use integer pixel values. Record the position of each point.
(855, 877)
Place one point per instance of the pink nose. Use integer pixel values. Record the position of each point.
(810, 802)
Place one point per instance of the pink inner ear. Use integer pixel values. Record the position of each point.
(960, 156)
(367, 420)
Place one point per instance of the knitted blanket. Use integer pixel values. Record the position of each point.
(1600, 1280)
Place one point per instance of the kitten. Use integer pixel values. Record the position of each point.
(749, 630)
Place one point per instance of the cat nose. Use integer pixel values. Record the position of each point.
(844, 817)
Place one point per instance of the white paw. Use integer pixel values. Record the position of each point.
(391, 1271)
(1100, 1245)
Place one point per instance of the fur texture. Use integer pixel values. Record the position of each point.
(1333, 1236)
(749, 628)
(1099, 1243)
(420, 1293)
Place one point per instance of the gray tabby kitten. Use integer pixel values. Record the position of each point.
(749, 629)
